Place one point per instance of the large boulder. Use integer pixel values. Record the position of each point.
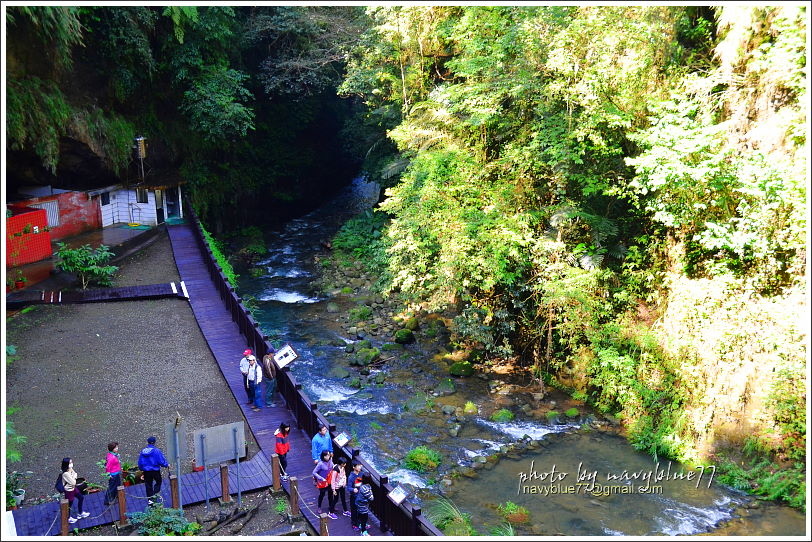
(365, 356)
(461, 368)
(404, 336)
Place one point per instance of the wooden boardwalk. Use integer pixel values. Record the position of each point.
(226, 344)
(98, 295)
(44, 519)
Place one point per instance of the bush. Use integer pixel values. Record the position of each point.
(514, 513)
(89, 264)
(422, 459)
(160, 521)
(502, 415)
(450, 519)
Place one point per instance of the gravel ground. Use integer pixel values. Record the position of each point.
(91, 373)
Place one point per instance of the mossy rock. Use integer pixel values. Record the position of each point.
(363, 344)
(355, 383)
(502, 415)
(333, 307)
(416, 403)
(461, 368)
(445, 387)
(350, 348)
(411, 324)
(257, 272)
(346, 290)
(552, 416)
(390, 347)
(404, 336)
(365, 356)
(571, 413)
(379, 378)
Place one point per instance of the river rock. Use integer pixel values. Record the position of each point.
(411, 324)
(339, 372)
(349, 349)
(332, 307)
(445, 387)
(416, 403)
(404, 336)
(455, 430)
(461, 368)
(379, 378)
(365, 356)
(448, 410)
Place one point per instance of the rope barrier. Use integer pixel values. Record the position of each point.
(56, 517)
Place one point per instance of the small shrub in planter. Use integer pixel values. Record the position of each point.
(422, 459)
(502, 415)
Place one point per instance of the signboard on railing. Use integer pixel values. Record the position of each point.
(397, 495)
(285, 355)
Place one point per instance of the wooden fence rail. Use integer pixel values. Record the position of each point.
(404, 519)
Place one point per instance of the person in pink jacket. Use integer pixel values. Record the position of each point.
(113, 469)
(338, 484)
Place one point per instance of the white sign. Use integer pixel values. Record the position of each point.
(342, 439)
(397, 495)
(285, 355)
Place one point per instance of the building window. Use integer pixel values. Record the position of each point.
(105, 198)
(51, 209)
(141, 195)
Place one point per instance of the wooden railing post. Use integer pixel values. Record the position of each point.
(122, 507)
(385, 503)
(416, 511)
(173, 487)
(64, 509)
(276, 469)
(323, 524)
(294, 496)
(224, 483)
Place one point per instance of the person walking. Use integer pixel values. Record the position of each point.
(338, 485)
(269, 375)
(255, 383)
(353, 484)
(283, 447)
(72, 492)
(150, 461)
(112, 467)
(321, 442)
(244, 363)
(322, 473)
(363, 500)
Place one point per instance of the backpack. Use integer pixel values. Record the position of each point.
(60, 484)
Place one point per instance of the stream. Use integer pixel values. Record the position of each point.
(485, 463)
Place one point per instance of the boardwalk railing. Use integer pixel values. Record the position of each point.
(404, 519)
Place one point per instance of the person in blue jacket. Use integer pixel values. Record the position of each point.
(150, 461)
(321, 441)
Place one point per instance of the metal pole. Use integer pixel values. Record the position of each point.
(205, 472)
(237, 457)
(177, 467)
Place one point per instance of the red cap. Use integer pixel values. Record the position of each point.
(247, 352)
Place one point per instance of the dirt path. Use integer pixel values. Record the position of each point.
(88, 374)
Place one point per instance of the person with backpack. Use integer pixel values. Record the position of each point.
(269, 374)
(362, 501)
(322, 474)
(112, 467)
(353, 483)
(150, 461)
(282, 447)
(66, 483)
(254, 383)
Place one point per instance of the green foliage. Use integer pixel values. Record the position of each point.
(360, 238)
(89, 264)
(216, 247)
(281, 506)
(571, 412)
(514, 513)
(502, 415)
(422, 459)
(506, 529)
(37, 115)
(13, 439)
(445, 515)
(11, 354)
(160, 521)
(359, 313)
(214, 105)
(461, 368)
(375, 426)
(57, 28)
(470, 409)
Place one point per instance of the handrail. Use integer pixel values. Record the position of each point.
(404, 519)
